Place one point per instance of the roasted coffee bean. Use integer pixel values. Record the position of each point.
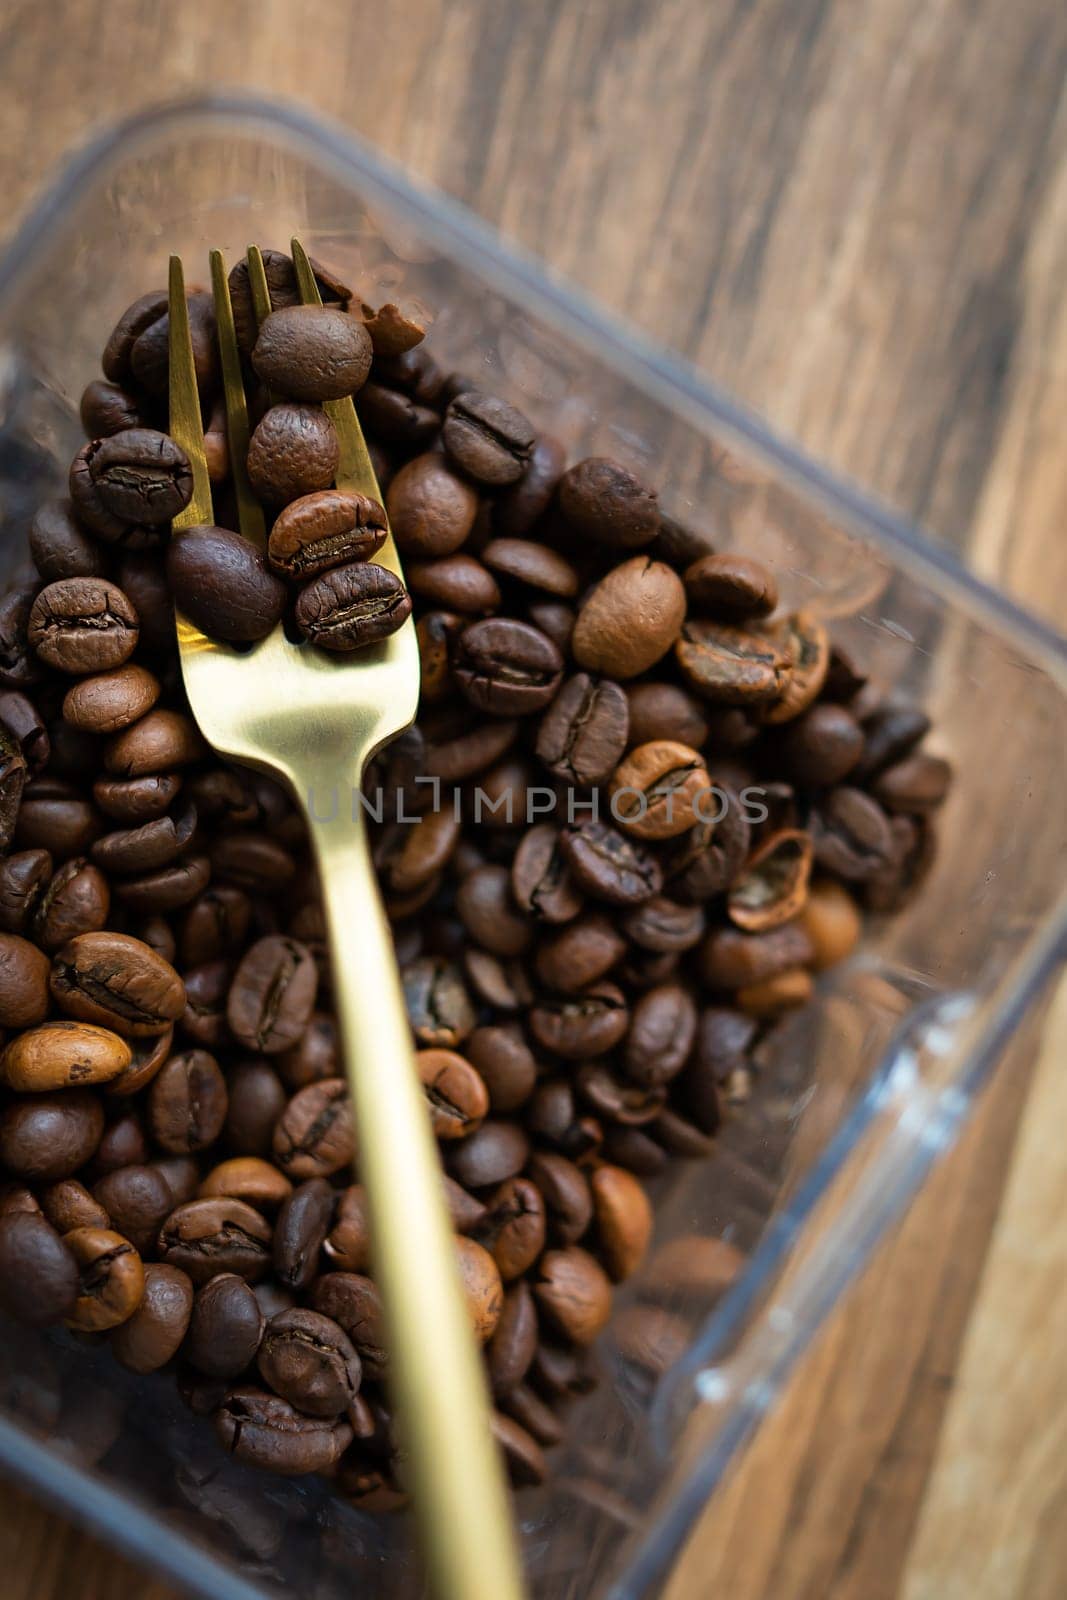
(408, 857)
(537, 566)
(773, 887)
(580, 1026)
(252, 861)
(24, 974)
(204, 1017)
(524, 1406)
(659, 790)
(126, 487)
(206, 1237)
(117, 981)
(351, 607)
(348, 1242)
(603, 501)
(82, 625)
(300, 1232)
(215, 925)
(683, 1138)
(149, 355)
(247, 1178)
(154, 1334)
(511, 1348)
(730, 587)
(541, 879)
(181, 1175)
(225, 1328)
(514, 1226)
(122, 1144)
(505, 1063)
(630, 619)
(111, 1279)
(353, 1302)
(314, 1137)
(262, 1430)
(664, 711)
(454, 583)
(580, 953)
(438, 1005)
(395, 417)
(891, 733)
(585, 731)
(807, 645)
(309, 1360)
(491, 441)
(710, 857)
(144, 849)
(831, 920)
(20, 720)
(635, 1150)
(609, 866)
(137, 1199)
(822, 746)
(506, 668)
(62, 1055)
(135, 320)
(51, 817)
(662, 926)
(12, 789)
(312, 353)
(328, 529)
(44, 1137)
(568, 1201)
(293, 451)
(272, 995)
(136, 800)
(482, 1287)
(731, 959)
(574, 1293)
(111, 700)
(314, 1056)
(106, 408)
(518, 507)
(523, 1457)
(60, 546)
(187, 1103)
(431, 509)
(221, 582)
(392, 334)
(39, 1281)
(916, 785)
(23, 879)
(662, 1029)
(68, 1204)
(495, 1151)
(488, 913)
(282, 289)
(852, 834)
(456, 1096)
(555, 620)
(623, 1219)
(156, 744)
(19, 665)
(732, 666)
(257, 1099)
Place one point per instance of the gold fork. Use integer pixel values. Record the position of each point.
(314, 722)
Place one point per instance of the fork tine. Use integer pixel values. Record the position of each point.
(186, 426)
(249, 513)
(257, 283)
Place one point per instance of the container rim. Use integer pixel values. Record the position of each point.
(672, 379)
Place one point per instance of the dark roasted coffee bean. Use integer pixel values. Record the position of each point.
(19, 665)
(154, 1334)
(680, 1137)
(262, 1430)
(555, 620)
(39, 1280)
(616, 1099)
(215, 925)
(353, 1302)
(806, 643)
(81, 625)
(314, 1056)
(584, 733)
(890, 733)
(23, 879)
(351, 607)
(12, 789)
(524, 1406)
(732, 666)
(407, 857)
(574, 1293)
(204, 1017)
(111, 700)
(488, 913)
(438, 1005)
(272, 995)
(166, 889)
(312, 353)
(511, 1348)
(395, 417)
(709, 858)
(568, 1201)
(513, 1228)
(24, 972)
(661, 925)
(580, 1026)
(293, 451)
(206, 1237)
(537, 566)
(149, 355)
(52, 817)
(505, 1064)
(106, 408)
(257, 1099)
(483, 1289)
(852, 834)
(314, 1136)
(580, 953)
(506, 668)
(138, 1200)
(282, 288)
(21, 721)
(917, 785)
(111, 1279)
(300, 1232)
(490, 440)
(605, 502)
(455, 1094)
(310, 1361)
(181, 1175)
(117, 981)
(126, 487)
(142, 578)
(61, 547)
(122, 1144)
(136, 800)
(431, 509)
(662, 1029)
(62, 1055)
(329, 529)
(252, 861)
(518, 507)
(226, 1327)
(246, 1178)
(664, 711)
(822, 746)
(156, 744)
(731, 959)
(394, 337)
(541, 880)
(730, 587)
(633, 1149)
(630, 619)
(623, 1219)
(455, 583)
(221, 582)
(187, 1103)
(610, 866)
(155, 844)
(495, 1151)
(523, 1457)
(135, 320)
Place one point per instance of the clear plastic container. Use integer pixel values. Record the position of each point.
(858, 1096)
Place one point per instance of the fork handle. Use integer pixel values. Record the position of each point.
(462, 1509)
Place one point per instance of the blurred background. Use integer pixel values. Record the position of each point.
(855, 219)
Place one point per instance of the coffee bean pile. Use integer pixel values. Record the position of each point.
(649, 807)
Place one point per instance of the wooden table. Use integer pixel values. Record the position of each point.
(855, 217)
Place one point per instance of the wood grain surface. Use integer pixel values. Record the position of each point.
(853, 216)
